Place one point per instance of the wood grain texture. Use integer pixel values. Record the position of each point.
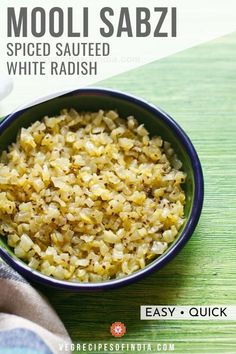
(198, 88)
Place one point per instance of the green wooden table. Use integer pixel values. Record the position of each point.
(198, 88)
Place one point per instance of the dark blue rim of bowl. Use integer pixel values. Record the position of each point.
(186, 233)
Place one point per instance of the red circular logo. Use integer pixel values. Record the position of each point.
(118, 329)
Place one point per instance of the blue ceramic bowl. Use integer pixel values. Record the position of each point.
(158, 123)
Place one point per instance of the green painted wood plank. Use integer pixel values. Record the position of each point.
(198, 88)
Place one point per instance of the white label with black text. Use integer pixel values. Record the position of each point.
(212, 312)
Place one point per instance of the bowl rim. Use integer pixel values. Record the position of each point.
(187, 230)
